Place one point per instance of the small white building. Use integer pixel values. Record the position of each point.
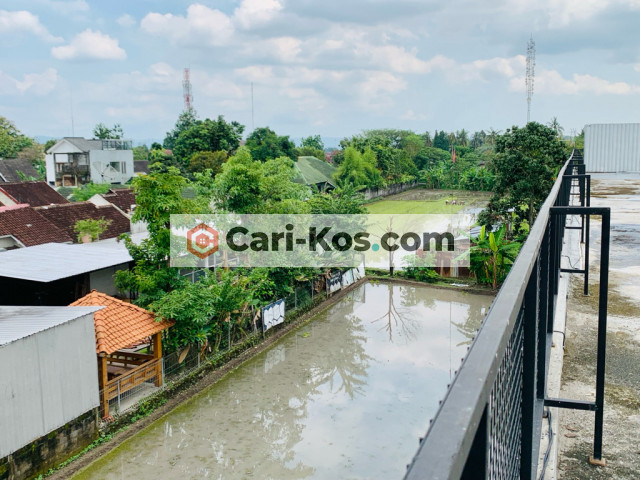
(74, 161)
(48, 386)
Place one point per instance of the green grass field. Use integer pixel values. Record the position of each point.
(422, 201)
(412, 206)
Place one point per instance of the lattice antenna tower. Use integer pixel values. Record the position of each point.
(531, 73)
(186, 91)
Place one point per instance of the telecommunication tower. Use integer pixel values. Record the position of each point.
(186, 91)
(531, 67)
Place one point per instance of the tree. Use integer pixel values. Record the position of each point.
(201, 161)
(556, 127)
(207, 136)
(525, 167)
(492, 255)
(264, 143)
(158, 195)
(250, 186)
(12, 140)
(205, 309)
(102, 132)
(91, 227)
(358, 170)
(441, 141)
(49, 143)
(345, 200)
(140, 152)
(462, 137)
(88, 190)
(314, 141)
(186, 119)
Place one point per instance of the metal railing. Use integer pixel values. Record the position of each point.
(489, 423)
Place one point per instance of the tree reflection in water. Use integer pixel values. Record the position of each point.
(398, 318)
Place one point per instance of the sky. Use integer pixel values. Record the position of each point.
(331, 67)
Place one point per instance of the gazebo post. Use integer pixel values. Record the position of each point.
(157, 355)
(103, 379)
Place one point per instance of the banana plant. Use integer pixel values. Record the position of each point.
(492, 255)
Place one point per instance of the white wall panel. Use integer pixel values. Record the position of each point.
(612, 147)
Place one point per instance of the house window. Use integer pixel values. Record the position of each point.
(115, 166)
(124, 167)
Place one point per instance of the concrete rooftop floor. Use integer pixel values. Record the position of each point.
(620, 192)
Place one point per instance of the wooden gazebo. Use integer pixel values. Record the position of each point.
(119, 326)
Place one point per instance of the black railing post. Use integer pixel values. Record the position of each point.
(529, 375)
(587, 236)
(543, 315)
(476, 465)
(602, 337)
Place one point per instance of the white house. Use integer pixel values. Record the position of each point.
(75, 160)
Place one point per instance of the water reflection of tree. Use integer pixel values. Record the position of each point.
(399, 318)
(469, 328)
(332, 358)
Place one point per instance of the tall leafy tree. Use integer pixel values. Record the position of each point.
(11, 139)
(159, 194)
(207, 136)
(186, 119)
(359, 170)
(251, 186)
(441, 140)
(314, 141)
(525, 167)
(102, 132)
(265, 144)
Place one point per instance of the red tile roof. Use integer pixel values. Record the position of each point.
(35, 194)
(120, 324)
(29, 227)
(66, 216)
(122, 198)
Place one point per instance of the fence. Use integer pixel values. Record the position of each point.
(125, 396)
(372, 193)
(489, 423)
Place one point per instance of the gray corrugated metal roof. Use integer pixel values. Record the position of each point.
(52, 261)
(21, 322)
(84, 144)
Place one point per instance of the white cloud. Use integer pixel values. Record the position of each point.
(285, 49)
(90, 45)
(202, 26)
(552, 82)
(126, 20)
(32, 83)
(24, 21)
(252, 13)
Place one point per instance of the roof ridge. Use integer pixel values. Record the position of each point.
(6, 208)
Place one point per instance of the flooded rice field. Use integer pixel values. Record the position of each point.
(345, 396)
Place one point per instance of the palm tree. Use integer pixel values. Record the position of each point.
(556, 127)
(492, 135)
(462, 137)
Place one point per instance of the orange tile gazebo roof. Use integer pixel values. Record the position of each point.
(120, 324)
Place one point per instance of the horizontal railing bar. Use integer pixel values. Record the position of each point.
(572, 270)
(571, 404)
(579, 210)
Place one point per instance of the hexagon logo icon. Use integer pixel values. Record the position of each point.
(202, 240)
